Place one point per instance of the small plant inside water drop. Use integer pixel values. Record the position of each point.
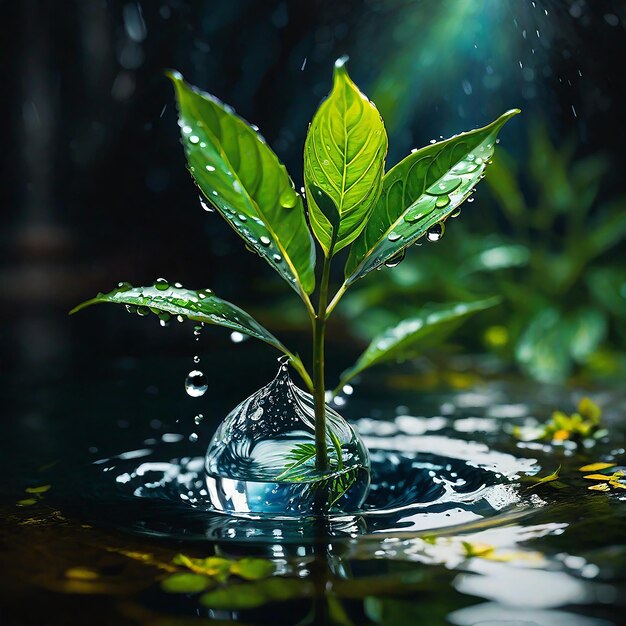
(350, 202)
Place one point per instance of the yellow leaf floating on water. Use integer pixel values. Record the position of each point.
(595, 467)
(40, 489)
(549, 478)
(597, 477)
(600, 487)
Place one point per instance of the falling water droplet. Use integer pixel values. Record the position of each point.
(161, 284)
(435, 232)
(196, 359)
(196, 383)
(198, 418)
(193, 437)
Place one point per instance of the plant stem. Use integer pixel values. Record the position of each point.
(319, 387)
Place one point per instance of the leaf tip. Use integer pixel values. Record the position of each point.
(340, 70)
(174, 75)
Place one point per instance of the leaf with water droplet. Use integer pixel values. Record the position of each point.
(408, 203)
(344, 155)
(187, 302)
(411, 336)
(242, 176)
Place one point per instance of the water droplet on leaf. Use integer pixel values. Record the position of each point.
(435, 232)
(161, 284)
(396, 259)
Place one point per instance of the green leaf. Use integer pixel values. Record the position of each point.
(546, 479)
(252, 595)
(186, 583)
(421, 191)
(238, 173)
(344, 155)
(252, 569)
(203, 306)
(411, 335)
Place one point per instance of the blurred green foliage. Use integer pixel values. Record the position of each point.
(545, 240)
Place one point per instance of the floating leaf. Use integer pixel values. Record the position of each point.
(27, 502)
(344, 155)
(597, 477)
(198, 306)
(240, 175)
(594, 467)
(421, 191)
(546, 479)
(599, 487)
(186, 583)
(416, 333)
(213, 566)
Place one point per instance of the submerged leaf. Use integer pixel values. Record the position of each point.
(421, 191)
(239, 174)
(414, 334)
(186, 583)
(253, 595)
(344, 155)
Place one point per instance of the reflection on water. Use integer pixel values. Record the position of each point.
(453, 530)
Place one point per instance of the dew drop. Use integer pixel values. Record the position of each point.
(237, 337)
(288, 198)
(131, 308)
(124, 286)
(456, 212)
(266, 241)
(470, 199)
(143, 311)
(435, 232)
(161, 284)
(196, 383)
(205, 205)
(442, 201)
(396, 259)
(194, 139)
(277, 258)
(394, 236)
(209, 168)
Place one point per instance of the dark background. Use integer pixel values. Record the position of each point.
(93, 183)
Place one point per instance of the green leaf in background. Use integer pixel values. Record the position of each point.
(240, 175)
(203, 306)
(588, 328)
(421, 191)
(411, 335)
(344, 155)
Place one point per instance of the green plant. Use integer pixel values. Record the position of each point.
(546, 244)
(352, 204)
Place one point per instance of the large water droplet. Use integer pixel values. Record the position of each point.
(196, 383)
(194, 139)
(394, 236)
(161, 284)
(442, 201)
(193, 437)
(288, 198)
(435, 232)
(124, 286)
(396, 259)
(456, 212)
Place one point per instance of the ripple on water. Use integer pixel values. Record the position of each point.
(419, 482)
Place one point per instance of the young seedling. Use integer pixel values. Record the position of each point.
(350, 204)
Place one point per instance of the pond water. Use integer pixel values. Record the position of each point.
(455, 528)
